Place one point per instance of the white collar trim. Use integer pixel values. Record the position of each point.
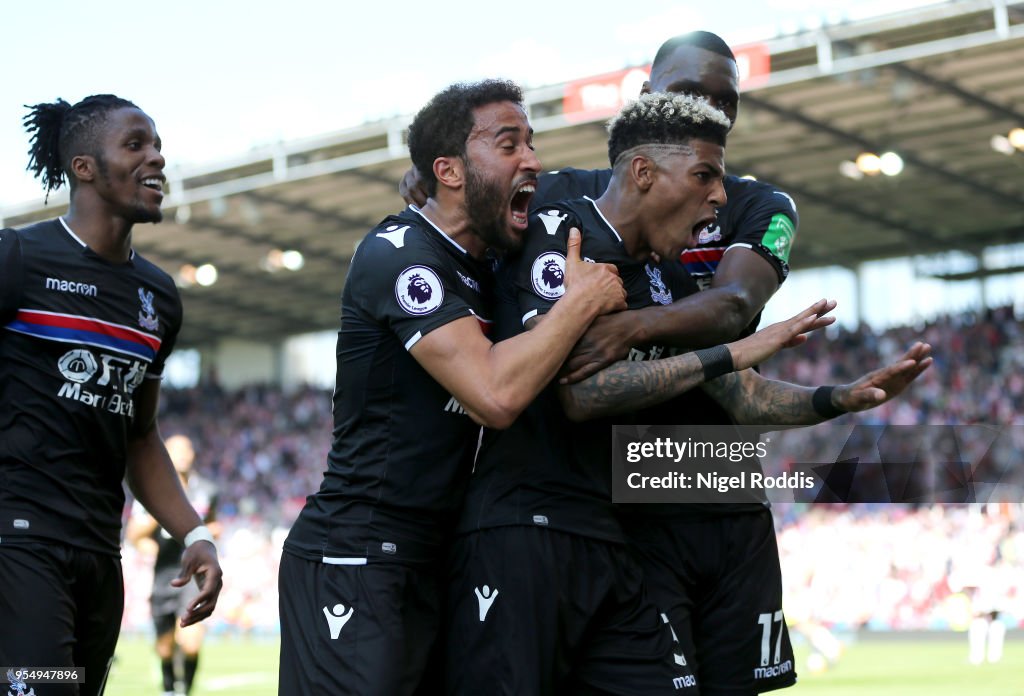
(443, 233)
(610, 225)
(69, 231)
(79, 239)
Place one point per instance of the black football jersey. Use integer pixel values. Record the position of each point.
(545, 469)
(79, 334)
(757, 216)
(403, 445)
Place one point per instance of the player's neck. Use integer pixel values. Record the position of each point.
(110, 237)
(451, 217)
(622, 211)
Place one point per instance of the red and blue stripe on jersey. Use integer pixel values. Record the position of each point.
(69, 328)
(702, 261)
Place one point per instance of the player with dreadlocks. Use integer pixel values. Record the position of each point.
(86, 325)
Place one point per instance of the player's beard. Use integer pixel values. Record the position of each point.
(488, 208)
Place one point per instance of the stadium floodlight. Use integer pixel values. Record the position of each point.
(890, 163)
(869, 163)
(206, 275)
(276, 259)
(1016, 138)
(293, 260)
(849, 169)
(1002, 145)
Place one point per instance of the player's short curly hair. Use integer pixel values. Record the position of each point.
(442, 127)
(665, 119)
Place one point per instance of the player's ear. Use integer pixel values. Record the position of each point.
(641, 169)
(83, 167)
(449, 172)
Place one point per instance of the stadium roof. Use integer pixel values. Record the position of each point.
(934, 85)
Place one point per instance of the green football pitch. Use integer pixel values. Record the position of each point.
(898, 667)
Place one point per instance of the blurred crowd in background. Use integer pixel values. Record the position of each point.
(847, 567)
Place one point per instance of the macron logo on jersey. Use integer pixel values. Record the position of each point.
(470, 283)
(337, 617)
(72, 287)
(485, 599)
(551, 220)
(395, 235)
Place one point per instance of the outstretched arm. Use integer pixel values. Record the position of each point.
(628, 386)
(742, 285)
(154, 482)
(753, 400)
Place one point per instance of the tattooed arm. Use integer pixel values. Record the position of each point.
(628, 386)
(632, 385)
(753, 400)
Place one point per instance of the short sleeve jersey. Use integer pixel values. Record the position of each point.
(546, 470)
(79, 334)
(403, 445)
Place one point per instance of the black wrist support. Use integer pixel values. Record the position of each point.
(716, 361)
(822, 403)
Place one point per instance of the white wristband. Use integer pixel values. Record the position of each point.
(200, 533)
